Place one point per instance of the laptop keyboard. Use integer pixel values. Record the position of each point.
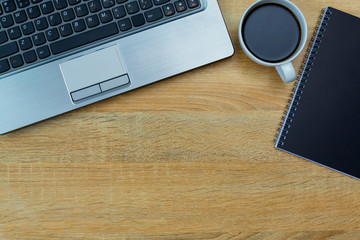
(37, 30)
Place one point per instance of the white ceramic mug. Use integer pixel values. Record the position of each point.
(285, 68)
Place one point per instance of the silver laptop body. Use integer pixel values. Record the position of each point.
(110, 67)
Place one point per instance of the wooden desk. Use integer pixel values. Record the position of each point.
(190, 157)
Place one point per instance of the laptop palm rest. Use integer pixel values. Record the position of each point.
(94, 73)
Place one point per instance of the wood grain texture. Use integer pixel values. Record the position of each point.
(190, 157)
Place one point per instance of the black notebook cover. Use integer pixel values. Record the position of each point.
(323, 120)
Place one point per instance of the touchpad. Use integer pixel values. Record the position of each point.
(94, 73)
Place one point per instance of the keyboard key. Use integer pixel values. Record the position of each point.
(193, 3)
(94, 6)
(169, 9)
(6, 21)
(132, 7)
(41, 24)
(3, 37)
(119, 12)
(43, 52)
(9, 6)
(108, 3)
(105, 16)
(25, 43)
(159, 2)
(92, 21)
(14, 33)
(16, 61)
(121, 1)
(84, 38)
(145, 4)
(125, 24)
(47, 7)
(79, 25)
(33, 12)
(35, 1)
(65, 30)
(20, 16)
(180, 6)
(81, 10)
(153, 15)
(74, 2)
(52, 34)
(8, 49)
(54, 19)
(30, 56)
(1, 11)
(38, 39)
(22, 3)
(60, 4)
(68, 15)
(138, 20)
(4, 65)
(27, 28)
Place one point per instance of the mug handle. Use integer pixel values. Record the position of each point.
(286, 72)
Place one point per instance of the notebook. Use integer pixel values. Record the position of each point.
(322, 121)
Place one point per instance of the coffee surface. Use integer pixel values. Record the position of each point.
(271, 32)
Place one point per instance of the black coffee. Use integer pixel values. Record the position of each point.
(271, 32)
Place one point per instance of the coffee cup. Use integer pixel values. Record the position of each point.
(273, 33)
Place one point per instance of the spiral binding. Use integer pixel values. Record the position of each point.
(302, 78)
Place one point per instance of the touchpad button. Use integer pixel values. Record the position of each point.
(104, 67)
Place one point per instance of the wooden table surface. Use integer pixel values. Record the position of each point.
(191, 157)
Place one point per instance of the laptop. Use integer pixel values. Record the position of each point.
(61, 55)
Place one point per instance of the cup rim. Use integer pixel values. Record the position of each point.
(303, 25)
